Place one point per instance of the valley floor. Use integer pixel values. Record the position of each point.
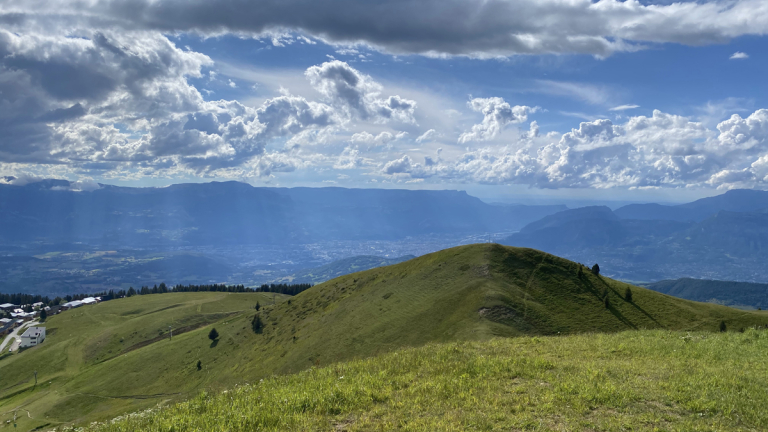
(644, 380)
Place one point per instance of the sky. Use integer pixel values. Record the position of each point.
(509, 100)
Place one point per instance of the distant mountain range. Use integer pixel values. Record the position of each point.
(724, 292)
(232, 213)
(722, 237)
(739, 200)
(56, 239)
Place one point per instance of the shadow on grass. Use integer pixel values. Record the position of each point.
(588, 285)
(631, 302)
(214, 343)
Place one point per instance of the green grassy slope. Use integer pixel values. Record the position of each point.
(651, 380)
(468, 293)
(83, 366)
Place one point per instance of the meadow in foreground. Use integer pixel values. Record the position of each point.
(635, 380)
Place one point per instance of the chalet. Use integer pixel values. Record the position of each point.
(89, 301)
(8, 306)
(26, 316)
(71, 305)
(37, 305)
(32, 337)
(6, 326)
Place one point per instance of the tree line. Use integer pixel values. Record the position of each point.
(26, 299)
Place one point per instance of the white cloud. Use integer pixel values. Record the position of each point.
(738, 55)
(496, 115)
(624, 107)
(349, 159)
(427, 136)
(663, 150)
(357, 94)
(382, 139)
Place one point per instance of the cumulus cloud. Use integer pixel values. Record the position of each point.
(349, 158)
(663, 150)
(496, 115)
(357, 94)
(120, 101)
(738, 55)
(382, 139)
(478, 28)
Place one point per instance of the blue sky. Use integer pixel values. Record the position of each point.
(512, 101)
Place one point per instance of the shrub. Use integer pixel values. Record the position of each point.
(596, 270)
(213, 335)
(580, 272)
(723, 328)
(628, 295)
(607, 302)
(199, 365)
(258, 306)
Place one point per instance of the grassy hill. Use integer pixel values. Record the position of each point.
(468, 293)
(115, 356)
(741, 294)
(649, 380)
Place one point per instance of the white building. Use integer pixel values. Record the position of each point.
(32, 337)
(72, 304)
(7, 306)
(89, 301)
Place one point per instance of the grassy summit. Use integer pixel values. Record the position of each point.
(468, 293)
(648, 380)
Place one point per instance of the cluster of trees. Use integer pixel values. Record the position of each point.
(28, 299)
(289, 289)
(21, 299)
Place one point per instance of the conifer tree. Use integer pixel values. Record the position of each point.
(606, 302)
(43, 315)
(213, 335)
(258, 306)
(628, 295)
(596, 270)
(256, 324)
(723, 328)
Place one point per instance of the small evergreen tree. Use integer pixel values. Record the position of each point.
(628, 295)
(213, 335)
(256, 324)
(43, 315)
(596, 270)
(131, 292)
(723, 328)
(199, 365)
(580, 272)
(606, 302)
(258, 306)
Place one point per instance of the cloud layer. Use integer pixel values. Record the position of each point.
(483, 28)
(662, 150)
(97, 89)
